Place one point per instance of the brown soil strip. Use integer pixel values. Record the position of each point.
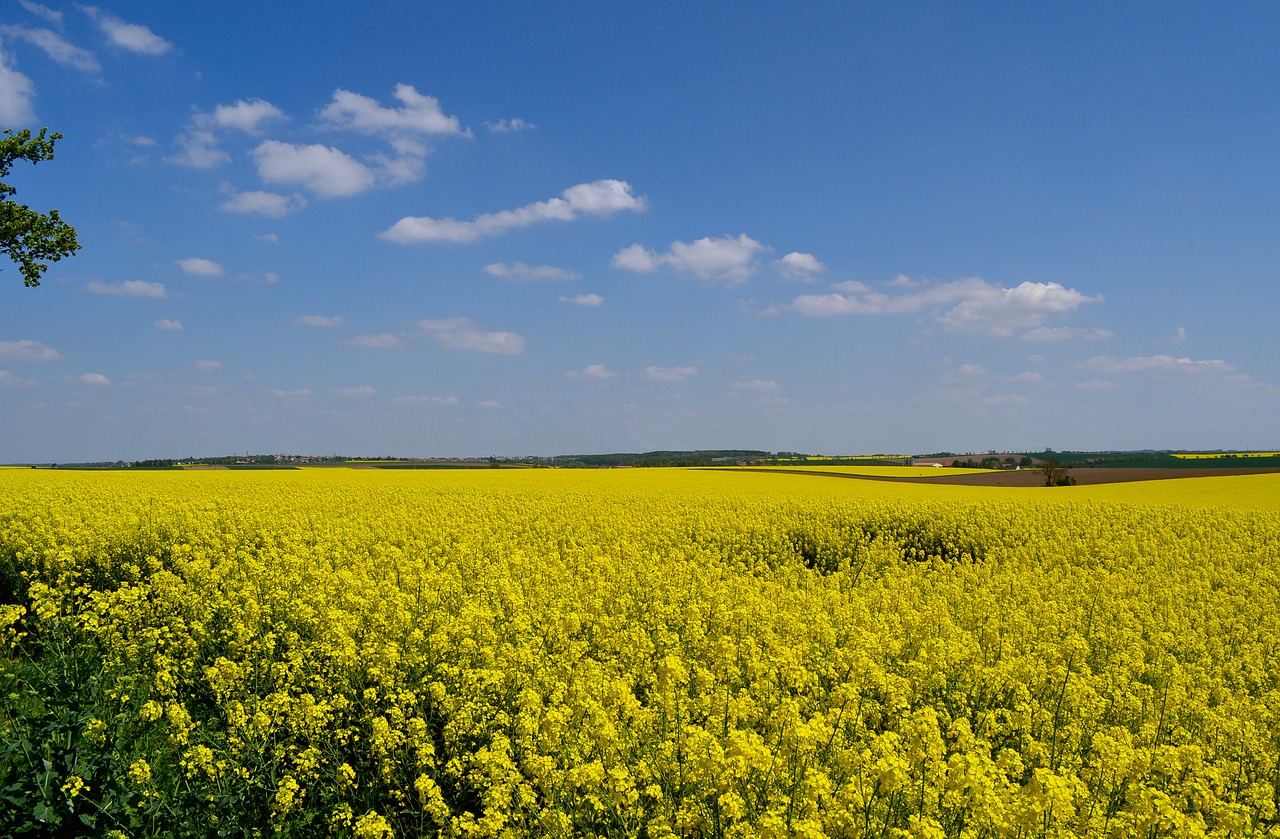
(1032, 478)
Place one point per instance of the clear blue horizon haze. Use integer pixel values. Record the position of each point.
(545, 228)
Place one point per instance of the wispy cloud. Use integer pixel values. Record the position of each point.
(1157, 364)
(8, 379)
(521, 271)
(598, 198)
(95, 379)
(591, 371)
(510, 126)
(970, 305)
(167, 325)
(131, 37)
(270, 204)
(462, 334)
(756, 386)
(362, 390)
(128, 288)
(382, 341)
(27, 350)
(669, 374)
(320, 321)
(55, 46)
(589, 300)
(427, 400)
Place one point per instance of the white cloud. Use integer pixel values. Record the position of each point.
(1096, 384)
(167, 325)
(427, 400)
(200, 266)
(971, 305)
(669, 374)
(198, 149)
(510, 126)
(8, 379)
(462, 334)
(972, 370)
(128, 288)
(1006, 399)
(27, 350)
(1157, 364)
(363, 390)
(591, 371)
(1179, 335)
(1030, 377)
(598, 198)
(208, 364)
(489, 404)
(132, 37)
(521, 271)
(16, 95)
(56, 47)
(803, 267)
(324, 170)
(245, 114)
(590, 300)
(300, 393)
(756, 386)
(270, 204)
(45, 12)
(419, 114)
(383, 341)
(319, 321)
(726, 259)
(96, 379)
(269, 238)
(1063, 333)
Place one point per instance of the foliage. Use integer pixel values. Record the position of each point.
(30, 238)
(644, 653)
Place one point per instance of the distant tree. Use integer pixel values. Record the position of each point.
(29, 238)
(1055, 474)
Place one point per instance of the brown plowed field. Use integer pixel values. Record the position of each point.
(1031, 478)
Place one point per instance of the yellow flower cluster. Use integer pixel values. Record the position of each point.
(655, 653)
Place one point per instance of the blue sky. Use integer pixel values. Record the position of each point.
(543, 228)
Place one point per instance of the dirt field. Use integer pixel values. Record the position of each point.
(1031, 477)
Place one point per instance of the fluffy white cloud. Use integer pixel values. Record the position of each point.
(725, 259)
(427, 400)
(971, 305)
(803, 267)
(16, 95)
(592, 371)
(418, 114)
(598, 198)
(1157, 364)
(96, 379)
(363, 390)
(208, 364)
(756, 386)
(382, 341)
(167, 325)
(319, 321)
(245, 114)
(324, 170)
(462, 334)
(521, 271)
(200, 267)
(132, 37)
(270, 204)
(27, 350)
(510, 126)
(669, 374)
(590, 300)
(128, 288)
(55, 46)
(972, 370)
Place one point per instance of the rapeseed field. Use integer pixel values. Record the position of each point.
(640, 653)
